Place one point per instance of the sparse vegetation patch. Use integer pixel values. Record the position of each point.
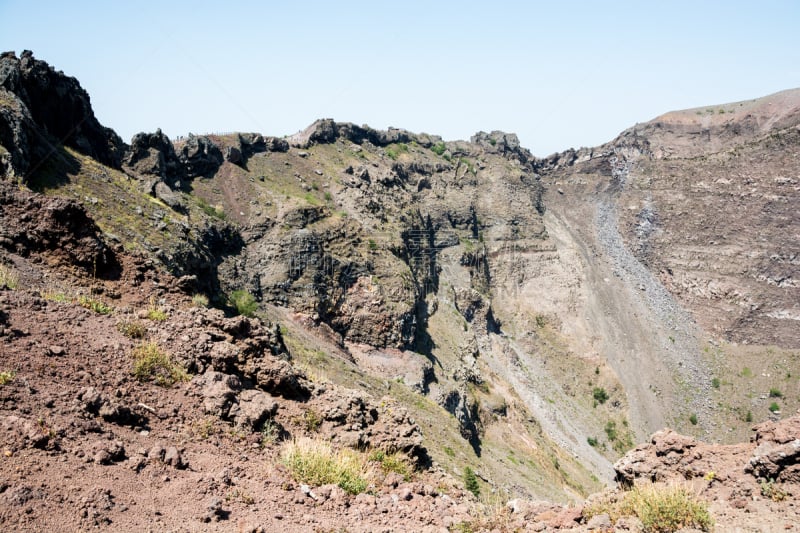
(153, 364)
(89, 302)
(661, 509)
(313, 461)
(8, 277)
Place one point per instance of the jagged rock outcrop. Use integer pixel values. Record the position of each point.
(773, 455)
(326, 131)
(152, 154)
(60, 110)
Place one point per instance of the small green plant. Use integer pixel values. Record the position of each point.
(611, 430)
(775, 393)
(6, 376)
(328, 196)
(774, 407)
(211, 210)
(157, 314)
(200, 300)
(438, 148)
(133, 330)
(748, 417)
(772, 491)
(449, 451)
(270, 433)
(203, 428)
(715, 383)
(396, 462)
(244, 303)
(471, 482)
(746, 373)
(600, 395)
(8, 277)
(592, 441)
(313, 461)
(240, 496)
(693, 419)
(372, 245)
(311, 420)
(57, 296)
(150, 363)
(94, 304)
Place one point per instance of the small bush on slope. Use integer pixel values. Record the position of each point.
(662, 509)
(313, 461)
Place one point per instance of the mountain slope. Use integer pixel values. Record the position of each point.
(535, 317)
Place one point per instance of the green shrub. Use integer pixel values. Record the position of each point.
(471, 482)
(270, 433)
(775, 393)
(244, 303)
(748, 417)
(150, 363)
(715, 383)
(313, 461)
(449, 451)
(774, 407)
(438, 148)
(592, 441)
(600, 395)
(311, 420)
(693, 419)
(611, 430)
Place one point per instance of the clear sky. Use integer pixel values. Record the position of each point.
(559, 74)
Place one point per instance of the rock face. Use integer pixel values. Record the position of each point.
(56, 227)
(47, 105)
(705, 199)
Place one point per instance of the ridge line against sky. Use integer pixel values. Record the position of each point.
(560, 75)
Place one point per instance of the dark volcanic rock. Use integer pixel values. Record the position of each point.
(153, 154)
(58, 106)
(200, 156)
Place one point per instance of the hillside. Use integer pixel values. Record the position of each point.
(460, 303)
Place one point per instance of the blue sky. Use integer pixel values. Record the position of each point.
(559, 74)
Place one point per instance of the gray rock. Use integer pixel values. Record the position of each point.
(253, 409)
(173, 458)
